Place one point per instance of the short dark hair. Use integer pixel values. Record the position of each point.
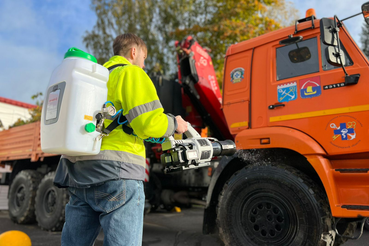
(124, 42)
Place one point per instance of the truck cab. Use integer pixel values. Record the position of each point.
(299, 101)
(296, 101)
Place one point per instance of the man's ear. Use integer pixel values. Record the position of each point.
(133, 52)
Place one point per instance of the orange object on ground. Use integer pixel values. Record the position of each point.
(14, 238)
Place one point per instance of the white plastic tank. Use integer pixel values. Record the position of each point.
(75, 94)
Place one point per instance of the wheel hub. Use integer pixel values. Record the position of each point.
(20, 197)
(49, 201)
(266, 219)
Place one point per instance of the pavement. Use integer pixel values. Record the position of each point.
(161, 228)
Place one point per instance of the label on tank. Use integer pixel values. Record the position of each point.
(52, 105)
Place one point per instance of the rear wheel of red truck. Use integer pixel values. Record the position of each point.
(272, 205)
(50, 204)
(22, 193)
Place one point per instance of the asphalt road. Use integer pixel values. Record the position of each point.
(160, 229)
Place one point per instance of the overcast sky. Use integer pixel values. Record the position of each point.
(35, 34)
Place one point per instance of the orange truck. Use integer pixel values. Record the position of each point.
(296, 100)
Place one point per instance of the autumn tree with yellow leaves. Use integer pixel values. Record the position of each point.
(236, 21)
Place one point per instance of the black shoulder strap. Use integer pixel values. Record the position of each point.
(111, 68)
(120, 116)
(114, 124)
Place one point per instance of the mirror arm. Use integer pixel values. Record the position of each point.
(339, 43)
(343, 67)
(351, 16)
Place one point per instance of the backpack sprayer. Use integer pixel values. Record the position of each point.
(71, 122)
(193, 152)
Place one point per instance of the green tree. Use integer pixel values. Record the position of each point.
(364, 38)
(214, 23)
(236, 21)
(34, 112)
(115, 17)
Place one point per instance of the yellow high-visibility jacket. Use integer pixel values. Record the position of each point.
(122, 155)
(130, 89)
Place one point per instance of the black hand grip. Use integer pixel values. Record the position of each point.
(276, 105)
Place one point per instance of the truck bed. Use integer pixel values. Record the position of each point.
(21, 142)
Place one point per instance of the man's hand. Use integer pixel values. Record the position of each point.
(182, 125)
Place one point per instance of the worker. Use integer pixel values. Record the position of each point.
(106, 190)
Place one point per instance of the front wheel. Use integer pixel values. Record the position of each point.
(272, 205)
(50, 204)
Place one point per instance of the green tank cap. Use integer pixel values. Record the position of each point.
(74, 52)
(90, 127)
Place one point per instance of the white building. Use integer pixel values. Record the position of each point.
(11, 111)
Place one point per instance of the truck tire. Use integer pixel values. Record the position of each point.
(22, 193)
(50, 204)
(367, 224)
(274, 205)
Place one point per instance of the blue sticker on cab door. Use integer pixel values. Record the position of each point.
(287, 92)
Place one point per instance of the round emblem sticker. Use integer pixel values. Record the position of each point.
(344, 131)
(237, 75)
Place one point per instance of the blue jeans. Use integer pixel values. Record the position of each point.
(116, 206)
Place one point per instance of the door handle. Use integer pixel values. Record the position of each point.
(276, 105)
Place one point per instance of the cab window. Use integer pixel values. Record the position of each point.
(326, 65)
(297, 59)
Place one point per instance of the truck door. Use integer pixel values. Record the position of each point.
(309, 94)
(236, 91)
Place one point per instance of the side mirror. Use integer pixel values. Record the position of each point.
(333, 56)
(328, 30)
(365, 11)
